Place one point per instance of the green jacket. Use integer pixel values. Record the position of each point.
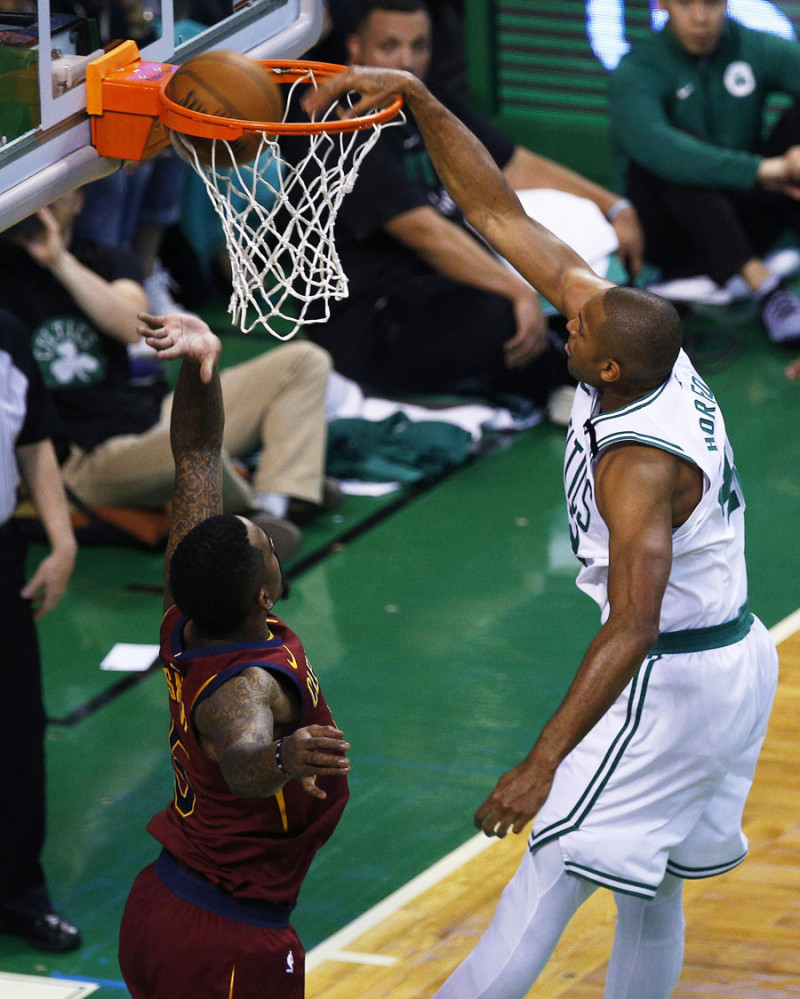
(698, 121)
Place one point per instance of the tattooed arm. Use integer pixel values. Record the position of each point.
(237, 728)
(197, 422)
(237, 723)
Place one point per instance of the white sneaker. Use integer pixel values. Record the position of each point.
(559, 405)
(159, 287)
(785, 263)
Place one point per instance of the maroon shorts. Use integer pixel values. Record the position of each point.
(170, 948)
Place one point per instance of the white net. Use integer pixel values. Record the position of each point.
(278, 215)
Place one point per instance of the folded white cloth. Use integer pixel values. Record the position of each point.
(345, 400)
(576, 221)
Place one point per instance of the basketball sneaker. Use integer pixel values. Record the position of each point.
(159, 287)
(304, 511)
(780, 316)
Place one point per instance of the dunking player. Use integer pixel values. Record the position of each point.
(260, 770)
(639, 778)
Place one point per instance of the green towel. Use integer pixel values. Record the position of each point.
(394, 450)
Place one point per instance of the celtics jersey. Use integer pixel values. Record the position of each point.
(707, 583)
(253, 848)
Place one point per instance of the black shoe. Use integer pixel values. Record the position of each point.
(304, 511)
(285, 536)
(48, 932)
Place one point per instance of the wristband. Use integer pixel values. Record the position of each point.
(617, 207)
(279, 759)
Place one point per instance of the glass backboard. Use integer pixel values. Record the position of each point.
(45, 46)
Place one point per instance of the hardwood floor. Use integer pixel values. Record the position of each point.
(742, 929)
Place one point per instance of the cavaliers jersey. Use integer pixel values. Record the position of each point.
(708, 582)
(253, 848)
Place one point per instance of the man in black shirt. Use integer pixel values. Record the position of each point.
(80, 302)
(430, 307)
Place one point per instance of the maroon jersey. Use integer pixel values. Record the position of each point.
(256, 848)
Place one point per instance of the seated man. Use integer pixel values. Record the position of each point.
(448, 47)
(81, 302)
(687, 117)
(430, 307)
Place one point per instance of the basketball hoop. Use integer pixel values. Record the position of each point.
(279, 232)
(278, 212)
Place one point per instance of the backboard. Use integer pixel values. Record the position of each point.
(45, 46)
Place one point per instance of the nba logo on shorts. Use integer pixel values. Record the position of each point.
(289, 963)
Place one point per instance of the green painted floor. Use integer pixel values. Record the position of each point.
(444, 634)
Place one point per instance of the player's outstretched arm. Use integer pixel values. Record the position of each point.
(196, 423)
(475, 183)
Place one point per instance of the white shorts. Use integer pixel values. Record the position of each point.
(660, 782)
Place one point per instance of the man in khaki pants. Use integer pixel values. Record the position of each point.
(275, 402)
(81, 302)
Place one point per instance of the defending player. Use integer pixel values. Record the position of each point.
(639, 778)
(260, 770)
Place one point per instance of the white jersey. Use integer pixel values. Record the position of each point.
(708, 582)
(659, 783)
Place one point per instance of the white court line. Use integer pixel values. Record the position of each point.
(35, 987)
(334, 948)
(785, 628)
(357, 957)
(330, 949)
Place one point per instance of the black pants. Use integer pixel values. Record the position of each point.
(22, 727)
(694, 230)
(431, 334)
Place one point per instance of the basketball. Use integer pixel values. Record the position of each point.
(228, 85)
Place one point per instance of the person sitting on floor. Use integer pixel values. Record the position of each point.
(687, 108)
(81, 303)
(430, 307)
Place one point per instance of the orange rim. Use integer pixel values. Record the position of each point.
(285, 72)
